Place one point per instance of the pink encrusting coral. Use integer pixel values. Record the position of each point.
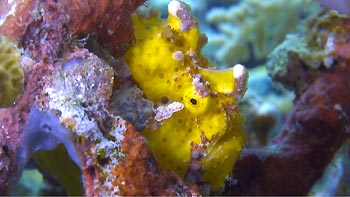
(66, 98)
(108, 20)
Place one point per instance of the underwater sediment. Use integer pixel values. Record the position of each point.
(110, 100)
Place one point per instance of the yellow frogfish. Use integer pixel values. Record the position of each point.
(197, 128)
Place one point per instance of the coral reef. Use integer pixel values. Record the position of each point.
(318, 125)
(315, 129)
(12, 122)
(11, 74)
(128, 100)
(79, 96)
(79, 93)
(194, 102)
(140, 170)
(43, 131)
(198, 8)
(284, 63)
(114, 30)
(75, 86)
(250, 29)
(264, 107)
(302, 57)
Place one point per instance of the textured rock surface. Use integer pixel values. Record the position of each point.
(140, 174)
(318, 124)
(108, 20)
(75, 85)
(315, 129)
(303, 56)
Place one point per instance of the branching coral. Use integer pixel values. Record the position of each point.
(252, 28)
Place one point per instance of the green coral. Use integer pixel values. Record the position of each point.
(288, 62)
(196, 103)
(11, 74)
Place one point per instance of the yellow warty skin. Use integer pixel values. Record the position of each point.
(167, 65)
